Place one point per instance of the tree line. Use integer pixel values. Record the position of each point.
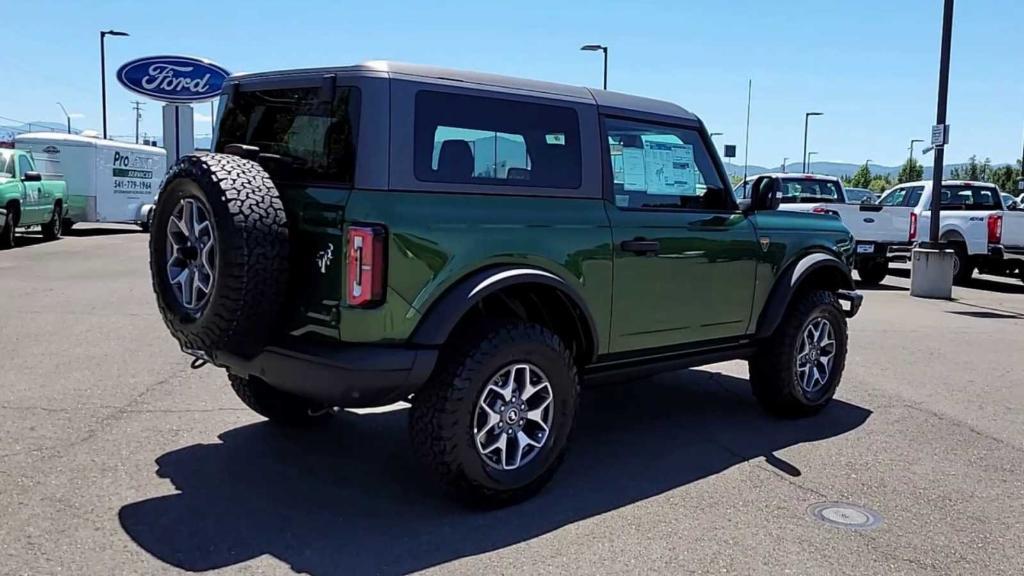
(1005, 177)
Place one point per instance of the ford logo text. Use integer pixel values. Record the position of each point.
(177, 79)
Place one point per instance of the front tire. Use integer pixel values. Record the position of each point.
(494, 420)
(795, 373)
(275, 405)
(873, 273)
(7, 230)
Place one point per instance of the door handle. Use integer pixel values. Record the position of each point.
(640, 246)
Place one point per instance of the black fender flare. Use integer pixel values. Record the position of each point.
(789, 282)
(445, 312)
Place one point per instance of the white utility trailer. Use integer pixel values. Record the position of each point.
(108, 181)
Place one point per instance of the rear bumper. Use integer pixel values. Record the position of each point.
(348, 376)
(853, 298)
(882, 250)
(1013, 254)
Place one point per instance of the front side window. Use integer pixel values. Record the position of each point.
(893, 197)
(24, 165)
(463, 139)
(301, 136)
(655, 166)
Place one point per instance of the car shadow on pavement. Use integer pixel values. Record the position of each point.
(350, 498)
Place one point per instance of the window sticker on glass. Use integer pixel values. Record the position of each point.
(633, 170)
(669, 169)
(555, 139)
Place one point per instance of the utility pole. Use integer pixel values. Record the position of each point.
(137, 106)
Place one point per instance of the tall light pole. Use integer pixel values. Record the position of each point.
(66, 115)
(807, 118)
(808, 162)
(599, 48)
(103, 72)
(912, 142)
(784, 160)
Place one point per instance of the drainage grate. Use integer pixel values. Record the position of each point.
(843, 515)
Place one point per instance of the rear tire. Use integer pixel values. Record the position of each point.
(486, 462)
(776, 377)
(963, 268)
(53, 229)
(275, 405)
(873, 273)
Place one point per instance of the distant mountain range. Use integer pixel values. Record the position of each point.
(837, 169)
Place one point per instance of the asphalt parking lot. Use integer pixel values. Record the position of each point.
(116, 458)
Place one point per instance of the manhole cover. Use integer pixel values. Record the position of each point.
(843, 515)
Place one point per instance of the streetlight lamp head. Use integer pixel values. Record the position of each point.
(593, 47)
(815, 113)
(115, 33)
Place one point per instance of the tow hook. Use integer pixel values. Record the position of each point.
(199, 359)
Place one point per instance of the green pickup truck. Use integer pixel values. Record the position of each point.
(484, 248)
(27, 198)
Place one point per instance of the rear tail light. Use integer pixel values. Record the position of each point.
(995, 228)
(913, 226)
(365, 266)
(820, 210)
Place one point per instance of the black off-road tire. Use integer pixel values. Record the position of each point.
(7, 230)
(773, 374)
(964, 271)
(873, 273)
(441, 418)
(252, 256)
(275, 405)
(53, 229)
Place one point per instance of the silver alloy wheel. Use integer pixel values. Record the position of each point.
(816, 351)
(191, 254)
(513, 416)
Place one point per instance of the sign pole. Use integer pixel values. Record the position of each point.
(940, 133)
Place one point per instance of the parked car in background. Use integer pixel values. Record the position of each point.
(859, 196)
(28, 197)
(971, 220)
(875, 228)
(1009, 202)
(108, 181)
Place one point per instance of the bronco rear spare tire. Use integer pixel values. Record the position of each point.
(219, 254)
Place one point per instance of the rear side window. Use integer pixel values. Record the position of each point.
(464, 139)
(961, 197)
(301, 136)
(811, 190)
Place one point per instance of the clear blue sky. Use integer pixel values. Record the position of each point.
(871, 66)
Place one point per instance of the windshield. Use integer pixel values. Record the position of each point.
(805, 190)
(301, 137)
(6, 165)
(963, 197)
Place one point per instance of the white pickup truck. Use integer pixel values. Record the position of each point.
(876, 228)
(972, 222)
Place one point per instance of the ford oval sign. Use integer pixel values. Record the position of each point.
(177, 79)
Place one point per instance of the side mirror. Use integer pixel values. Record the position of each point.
(31, 177)
(764, 194)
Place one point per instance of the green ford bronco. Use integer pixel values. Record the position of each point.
(481, 247)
